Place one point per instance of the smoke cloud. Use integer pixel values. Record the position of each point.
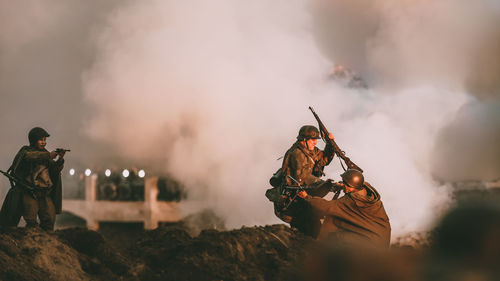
(401, 44)
(447, 44)
(213, 93)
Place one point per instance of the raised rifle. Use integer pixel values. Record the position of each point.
(325, 136)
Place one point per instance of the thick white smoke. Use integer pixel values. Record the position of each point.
(450, 45)
(221, 89)
(400, 44)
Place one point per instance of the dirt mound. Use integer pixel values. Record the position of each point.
(71, 254)
(464, 243)
(96, 256)
(33, 254)
(166, 253)
(255, 253)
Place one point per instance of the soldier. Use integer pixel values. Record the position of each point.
(358, 216)
(303, 164)
(42, 192)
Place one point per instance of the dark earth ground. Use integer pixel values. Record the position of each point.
(464, 246)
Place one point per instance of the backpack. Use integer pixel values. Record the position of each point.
(274, 194)
(276, 181)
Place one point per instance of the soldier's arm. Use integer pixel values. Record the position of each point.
(37, 156)
(326, 156)
(291, 170)
(323, 189)
(57, 166)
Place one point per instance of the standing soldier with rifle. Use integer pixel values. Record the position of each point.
(35, 178)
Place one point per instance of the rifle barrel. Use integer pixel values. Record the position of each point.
(325, 135)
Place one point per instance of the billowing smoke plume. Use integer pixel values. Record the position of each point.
(218, 90)
(407, 43)
(221, 89)
(448, 44)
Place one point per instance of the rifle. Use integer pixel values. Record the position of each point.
(31, 188)
(287, 190)
(287, 194)
(325, 136)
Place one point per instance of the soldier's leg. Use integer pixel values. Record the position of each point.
(30, 209)
(315, 226)
(303, 224)
(47, 213)
(307, 222)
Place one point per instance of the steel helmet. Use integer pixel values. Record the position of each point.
(308, 132)
(353, 178)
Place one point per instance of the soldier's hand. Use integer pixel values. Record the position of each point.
(330, 135)
(53, 154)
(341, 185)
(302, 194)
(61, 153)
(331, 184)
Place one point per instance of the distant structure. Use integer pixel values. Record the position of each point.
(150, 211)
(467, 190)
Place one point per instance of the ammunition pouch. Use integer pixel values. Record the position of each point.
(279, 201)
(273, 194)
(277, 179)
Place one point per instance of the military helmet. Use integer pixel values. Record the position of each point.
(35, 134)
(353, 178)
(308, 132)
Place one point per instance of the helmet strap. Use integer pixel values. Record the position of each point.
(342, 164)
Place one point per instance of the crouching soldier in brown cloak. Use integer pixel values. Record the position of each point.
(358, 216)
(303, 164)
(38, 189)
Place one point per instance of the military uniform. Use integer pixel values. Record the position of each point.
(306, 166)
(42, 194)
(354, 217)
(36, 167)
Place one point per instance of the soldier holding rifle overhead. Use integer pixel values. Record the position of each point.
(298, 188)
(358, 216)
(302, 167)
